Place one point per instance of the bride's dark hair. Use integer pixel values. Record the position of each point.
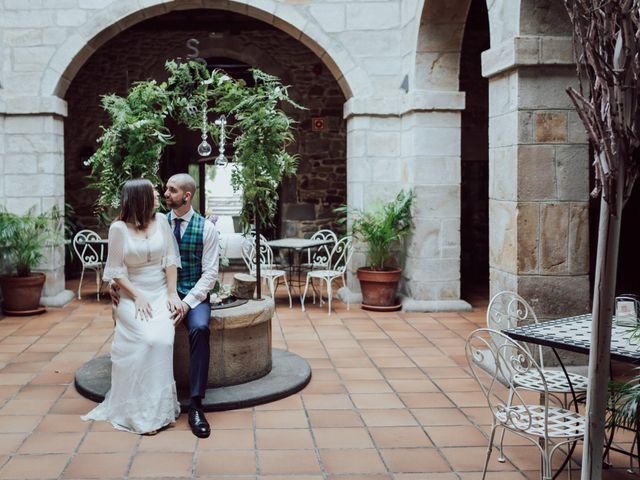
(137, 203)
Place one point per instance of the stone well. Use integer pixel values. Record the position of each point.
(240, 344)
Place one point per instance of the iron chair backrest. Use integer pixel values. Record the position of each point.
(509, 310)
(507, 401)
(321, 255)
(249, 253)
(89, 253)
(248, 248)
(341, 254)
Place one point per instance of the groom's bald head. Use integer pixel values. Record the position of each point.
(185, 182)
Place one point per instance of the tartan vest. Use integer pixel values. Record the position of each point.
(191, 246)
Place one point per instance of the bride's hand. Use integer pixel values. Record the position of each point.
(143, 308)
(175, 308)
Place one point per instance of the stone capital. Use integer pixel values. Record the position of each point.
(415, 101)
(30, 105)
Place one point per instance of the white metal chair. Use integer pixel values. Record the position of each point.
(509, 310)
(339, 258)
(268, 270)
(543, 424)
(91, 255)
(318, 257)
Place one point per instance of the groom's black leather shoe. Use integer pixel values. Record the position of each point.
(198, 423)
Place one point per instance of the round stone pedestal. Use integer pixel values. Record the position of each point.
(240, 343)
(244, 369)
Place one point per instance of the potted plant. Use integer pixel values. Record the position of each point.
(23, 239)
(381, 229)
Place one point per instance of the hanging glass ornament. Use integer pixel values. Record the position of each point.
(221, 159)
(204, 149)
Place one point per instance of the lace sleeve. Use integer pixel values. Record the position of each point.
(115, 267)
(171, 255)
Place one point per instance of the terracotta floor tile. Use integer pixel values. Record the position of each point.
(34, 466)
(478, 415)
(291, 477)
(367, 386)
(282, 439)
(15, 378)
(403, 373)
(376, 400)
(109, 442)
(23, 367)
(228, 440)
(329, 438)
(352, 461)
(392, 437)
(334, 418)
(62, 423)
(446, 372)
(18, 423)
(359, 374)
(387, 418)
(162, 465)
(471, 459)
(168, 441)
(288, 461)
(368, 476)
(440, 416)
(281, 419)
(329, 401)
(226, 463)
(77, 406)
(318, 386)
(294, 402)
(98, 465)
(10, 442)
(425, 400)
(468, 399)
(51, 443)
(225, 420)
(413, 460)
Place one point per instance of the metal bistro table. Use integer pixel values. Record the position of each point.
(574, 334)
(294, 246)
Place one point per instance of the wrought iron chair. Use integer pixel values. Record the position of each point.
(268, 270)
(318, 258)
(545, 425)
(91, 255)
(509, 310)
(338, 260)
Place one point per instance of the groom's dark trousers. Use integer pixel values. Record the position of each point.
(197, 323)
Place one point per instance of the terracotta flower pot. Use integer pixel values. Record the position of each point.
(21, 295)
(379, 288)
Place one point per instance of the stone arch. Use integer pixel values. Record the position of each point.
(122, 14)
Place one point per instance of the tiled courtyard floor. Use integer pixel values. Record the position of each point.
(390, 398)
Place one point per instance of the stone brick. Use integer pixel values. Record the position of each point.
(22, 37)
(503, 169)
(24, 124)
(372, 16)
(383, 143)
(554, 238)
(436, 141)
(577, 132)
(20, 164)
(386, 169)
(437, 201)
(503, 130)
(525, 127)
(528, 237)
(440, 37)
(551, 127)
(29, 143)
(503, 93)
(434, 170)
(331, 17)
(579, 239)
(70, 17)
(557, 50)
(503, 241)
(364, 44)
(422, 270)
(536, 173)
(438, 71)
(501, 280)
(433, 290)
(545, 87)
(556, 296)
(424, 241)
(572, 163)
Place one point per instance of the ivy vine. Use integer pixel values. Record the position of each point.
(133, 143)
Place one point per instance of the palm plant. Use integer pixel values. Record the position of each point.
(382, 227)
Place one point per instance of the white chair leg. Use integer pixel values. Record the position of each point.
(80, 284)
(306, 286)
(329, 293)
(284, 277)
(489, 448)
(98, 284)
(272, 290)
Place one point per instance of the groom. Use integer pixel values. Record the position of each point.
(199, 252)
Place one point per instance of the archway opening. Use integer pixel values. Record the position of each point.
(232, 42)
(474, 221)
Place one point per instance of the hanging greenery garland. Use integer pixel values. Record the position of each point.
(132, 145)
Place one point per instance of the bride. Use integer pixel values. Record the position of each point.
(142, 261)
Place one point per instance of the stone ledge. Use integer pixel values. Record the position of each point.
(59, 300)
(251, 313)
(527, 51)
(411, 305)
(29, 105)
(416, 101)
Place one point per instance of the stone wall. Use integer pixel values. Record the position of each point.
(140, 52)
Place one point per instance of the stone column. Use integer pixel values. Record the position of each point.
(538, 161)
(33, 174)
(412, 142)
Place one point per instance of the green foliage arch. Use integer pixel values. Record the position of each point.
(132, 145)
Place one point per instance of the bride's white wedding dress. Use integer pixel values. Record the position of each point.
(143, 391)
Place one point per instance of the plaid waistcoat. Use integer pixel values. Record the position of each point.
(191, 246)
